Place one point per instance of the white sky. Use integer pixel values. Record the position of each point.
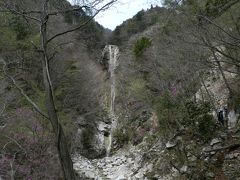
(122, 11)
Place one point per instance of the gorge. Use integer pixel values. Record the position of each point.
(156, 98)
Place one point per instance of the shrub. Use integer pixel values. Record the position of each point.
(139, 15)
(138, 88)
(122, 137)
(200, 119)
(29, 145)
(19, 27)
(175, 113)
(206, 126)
(169, 112)
(141, 45)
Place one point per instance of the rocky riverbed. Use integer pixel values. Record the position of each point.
(124, 164)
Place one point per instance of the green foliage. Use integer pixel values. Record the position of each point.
(214, 7)
(7, 39)
(123, 136)
(16, 34)
(139, 90)
(169, 3)
(175, 113)
(8, 36)
(169, 28)
(200, 119)
(140, 22)
(234, 101)
(39, 97)
(68, 17)
(211, 8)
(196, 109)
(169, 112)
(19, 27)
(87, 138)
(132, 27)
(141, 44)
(194, 6)
(206, 126)
(93, 35)
(68, 126)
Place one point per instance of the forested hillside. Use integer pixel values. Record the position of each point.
(157, 98)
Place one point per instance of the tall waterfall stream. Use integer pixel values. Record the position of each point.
(113, 63)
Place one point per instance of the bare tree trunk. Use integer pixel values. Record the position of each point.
(222, 73)
(209, 95)
(62, 145)
(208, 43)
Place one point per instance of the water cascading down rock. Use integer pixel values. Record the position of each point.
(113, 63)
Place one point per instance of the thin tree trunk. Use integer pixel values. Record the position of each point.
(62, 145)
(209, 95)
(222, 73)
(207, 41)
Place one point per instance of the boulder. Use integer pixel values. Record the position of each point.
(183, 169)
(170, 145)
(215, 141)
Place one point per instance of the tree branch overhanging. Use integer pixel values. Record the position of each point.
(35, 106)
(219, 27)
(7, 9)
(83, 24)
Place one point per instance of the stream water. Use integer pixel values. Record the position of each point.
(113, 63)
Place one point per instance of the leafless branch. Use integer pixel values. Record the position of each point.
(14, 141)
(82, 25)
(230, 148)
(54, 13)
(22, 91)
(13, 11)
(2, 111)
(218, 26)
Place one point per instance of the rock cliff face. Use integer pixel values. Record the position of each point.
(94, 139)
(214, 87)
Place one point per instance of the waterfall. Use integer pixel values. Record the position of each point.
(113, 57)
